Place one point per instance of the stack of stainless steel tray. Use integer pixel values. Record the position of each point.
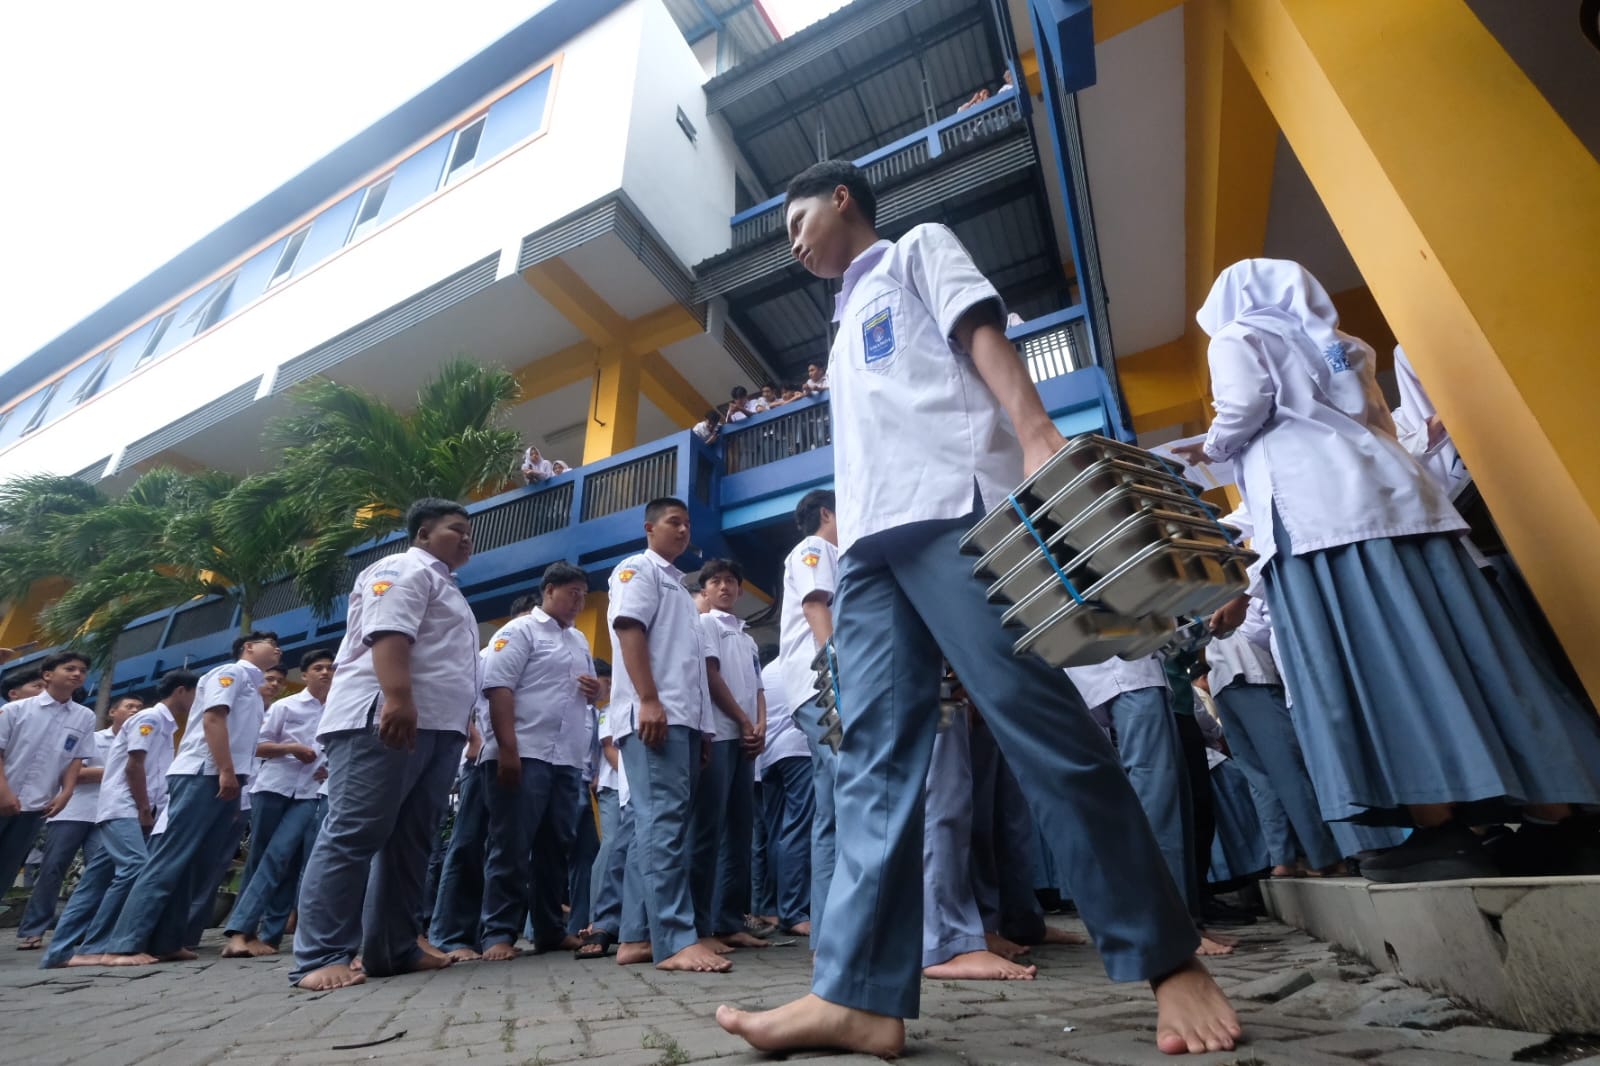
(1136, 542)
(827, 698)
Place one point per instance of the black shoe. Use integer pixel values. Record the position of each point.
(1215, 913)
(1570, 848)
(1449, 852)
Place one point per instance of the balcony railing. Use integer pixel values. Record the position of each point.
(632, 484)
(990, 119)
(1054, 345)
(790, 430)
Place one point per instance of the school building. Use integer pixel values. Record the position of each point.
(595, 202)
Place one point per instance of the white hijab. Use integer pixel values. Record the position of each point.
(1281, 298)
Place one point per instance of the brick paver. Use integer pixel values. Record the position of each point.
(552, 1009)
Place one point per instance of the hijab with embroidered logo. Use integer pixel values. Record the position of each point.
(1281, 298)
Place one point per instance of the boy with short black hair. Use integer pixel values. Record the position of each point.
(655, 716)
(22, 684)
(44, 740)
(935, 422)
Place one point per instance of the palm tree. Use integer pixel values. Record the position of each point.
(356, 462)
(35, 513)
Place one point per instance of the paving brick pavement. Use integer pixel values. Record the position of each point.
(1306, 1011)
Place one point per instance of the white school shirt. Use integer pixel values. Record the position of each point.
(1236, 658)
(813, 388)
(291, 720)
(703, 430)
(605, 774)
(235, 686)
(85, 801)
(810, 568)
(784, 739)
(650, 590)
(150, 731)
(709, 650)
(39, 736)
(739, 662)
(594, 759)
(1301, 427)
(540, 661)
(914, 424)
(542, 470)
(413, 594)
(1103, 682)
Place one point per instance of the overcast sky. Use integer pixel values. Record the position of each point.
(131, 130)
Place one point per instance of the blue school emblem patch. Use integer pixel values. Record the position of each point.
(877, 335)
(72, 742)
(1337, 356)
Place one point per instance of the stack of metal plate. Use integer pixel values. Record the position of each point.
(828, 698)
(1134, 540)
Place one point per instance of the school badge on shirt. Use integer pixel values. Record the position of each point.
(626, 575)
(811, 557)
(380, 587)
(877, 335)
(146, 730)
(500, 644)
(225, 682)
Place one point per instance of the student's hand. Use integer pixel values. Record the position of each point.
(1230, 616)
(651, 723)
(227, 785)
(1038, 450)
(55, 806)
(508, 773)
(753, 742)
(147, 819)
(397, 724)
(321, 775)
(589, 685)
(9, 804)
(1192, 454)
(1436, 431)
(705, 752)
(305, 753)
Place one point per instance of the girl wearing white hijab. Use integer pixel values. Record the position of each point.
(1416, 699)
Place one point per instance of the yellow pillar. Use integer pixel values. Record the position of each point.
(1474, 215)
(613, 405)
(592, 624)
(19, 624)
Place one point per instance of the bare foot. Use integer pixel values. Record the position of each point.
(238, 946)
(696, 958)
(980, 966)
(464, 955)
(813, 1022)
(427, 947)
(1052, 935)
(1338, 869)
(1209, 946)
(429, 961)
(800, 928)
(1193, 1015)
(140, 959)
(743, 940)
(711, 943)
(356, 966)
(181, 955)
(635, 952)
(1282, 870)
(499, 953)
(87, 960)
(330, 977)
(1006, 949)
(260, 949)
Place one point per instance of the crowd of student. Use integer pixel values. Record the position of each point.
(688, 800)
(743, 403)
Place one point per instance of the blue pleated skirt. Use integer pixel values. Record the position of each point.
(1238, 849)
(1412, 685)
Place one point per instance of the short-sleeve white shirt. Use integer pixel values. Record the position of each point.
(811, 569)
(784, 739)
(540, 661)
(1236, 658)
(291, 720)
(739, 662)
(914, 424)
(650, 590)
(150, 731)
(415, 595)
(85, 801)
(38, 738)
(237, 688)
(1103, 682)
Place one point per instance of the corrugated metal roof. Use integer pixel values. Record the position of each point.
(749, 30)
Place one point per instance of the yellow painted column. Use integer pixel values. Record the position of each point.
(1474, 214)
(613, 405)
(19, 623)
(592, 624)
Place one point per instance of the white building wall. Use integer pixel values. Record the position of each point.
(577, 159)
(683, 188)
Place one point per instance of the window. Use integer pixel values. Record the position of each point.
(687, 127)
(464, 151)
(149, 353)
(291, 252)
(5, 416)
(371, 206)
(209, 313)
(44, 408)
(96, 378)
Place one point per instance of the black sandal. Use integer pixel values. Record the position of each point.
(601, 939)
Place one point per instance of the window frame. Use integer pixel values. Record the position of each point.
(163, 323)
(453, 171)
(36, 420)
(209, 313)
(385, 183)
(97, 377)
(283, 270)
